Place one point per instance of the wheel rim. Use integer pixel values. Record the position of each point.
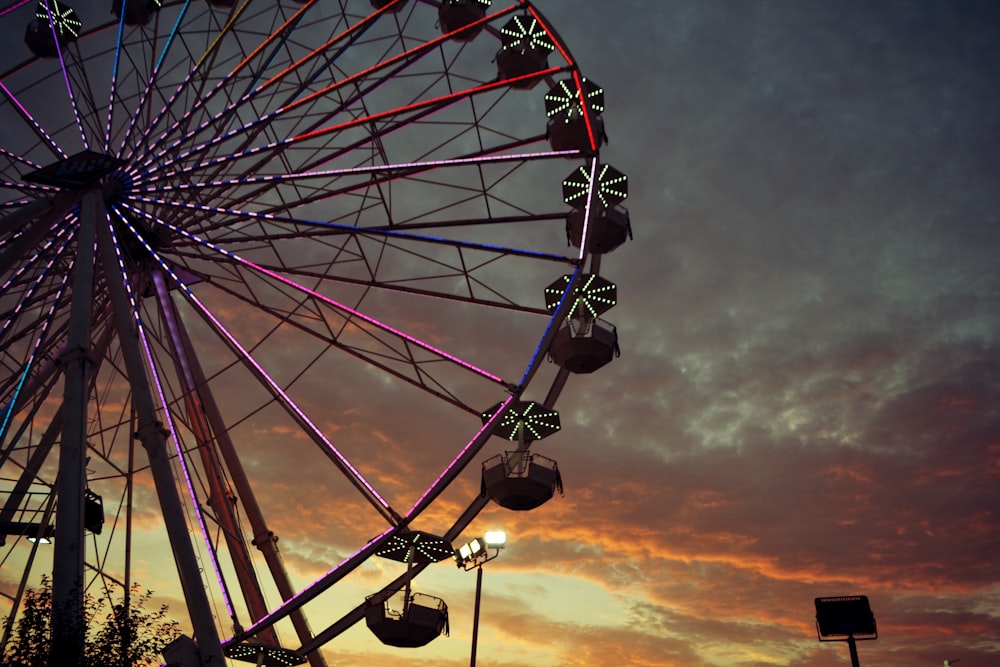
(348, 184)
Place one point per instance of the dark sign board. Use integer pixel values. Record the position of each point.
(838, 618)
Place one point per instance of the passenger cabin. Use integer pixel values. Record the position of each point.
(137, 12)
(414, 621)
(521, 481)
(454, 15)
(584, 345)
(525, 50)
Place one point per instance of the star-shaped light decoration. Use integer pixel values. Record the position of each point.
(525, 33)
(532, 419)
(261, 654)
(416, 546)
(63, 17)
(594, 295)
(612, 186)
(564, 99)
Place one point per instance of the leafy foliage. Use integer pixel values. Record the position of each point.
(125, 634)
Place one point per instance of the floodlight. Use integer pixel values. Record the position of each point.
(35, 532)
(838, 618)
(476, 551)
(496, 539)
(847, 618)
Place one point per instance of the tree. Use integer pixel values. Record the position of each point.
(123, 635)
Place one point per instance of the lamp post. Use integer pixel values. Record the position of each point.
(475, 554)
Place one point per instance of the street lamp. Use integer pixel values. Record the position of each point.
(475, 554)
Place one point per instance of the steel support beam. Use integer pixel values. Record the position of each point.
(154, 439)
(68, 623)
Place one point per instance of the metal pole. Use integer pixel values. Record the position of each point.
(475, 614)
(68, 550)
(154, 439)
(852, 645)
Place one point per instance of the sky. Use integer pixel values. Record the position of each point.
(807, 401)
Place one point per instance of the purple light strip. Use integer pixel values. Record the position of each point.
(327, 173)
(18, 158)
(16, 5)
(66, 223)
(31, 260)
(338, 572)
(324, 299)
(28, 293)
(33, 355)
(34, 124)
(65, 72)
(347, 565)
(457, 464)
(346, 465)
(29, 186)
(151, 362)
(351, 229)
(181, 87)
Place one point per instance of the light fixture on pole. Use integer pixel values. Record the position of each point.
(35, 532)
(845, 618)
(475, 554)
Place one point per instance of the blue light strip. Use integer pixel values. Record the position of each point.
(350, 229)
(114, 76)
(152, 79)
(555, 321)
(42, 335)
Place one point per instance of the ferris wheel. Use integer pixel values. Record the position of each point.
(243, 243)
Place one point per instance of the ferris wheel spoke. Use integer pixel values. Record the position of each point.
(275, 40)
(398, 116)
(56, 24)
(26, 296)
(350, 563)
(113, 84)
(148, 82)
(298, 229)
(366, 174)
(381, 71)
(36, 128)
(406, 343)
(279, 394)
(342, 41)
(311, 188)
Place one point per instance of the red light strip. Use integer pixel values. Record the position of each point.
(584, 108)
(302, 61)
(551, 33)
(444, 99)
(273, 36)
(402, 56)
